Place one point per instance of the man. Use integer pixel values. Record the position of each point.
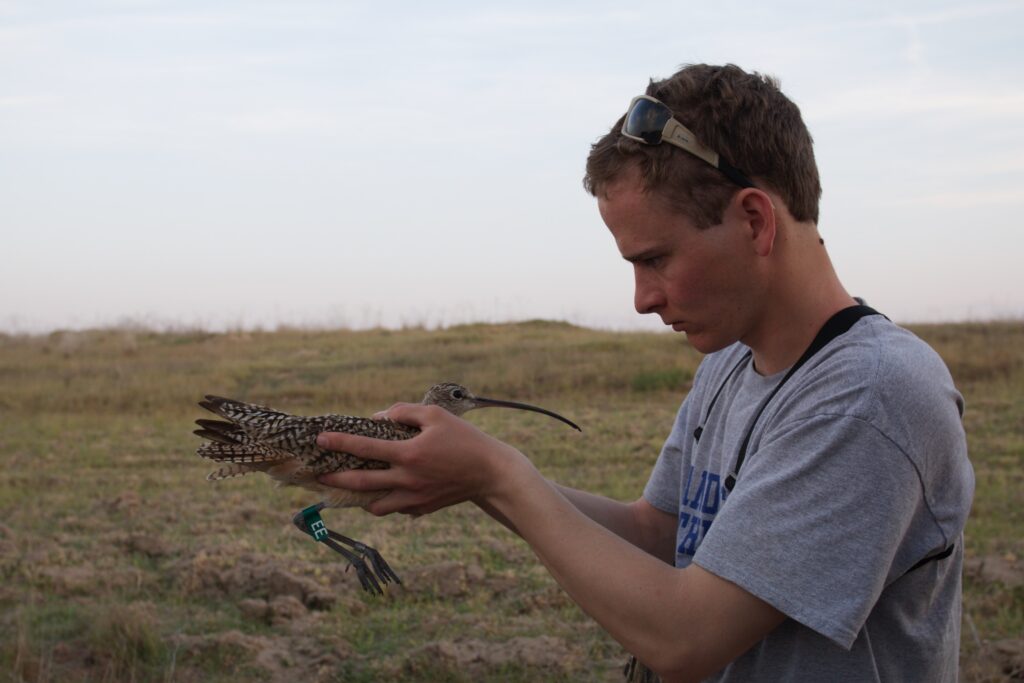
(804, 519)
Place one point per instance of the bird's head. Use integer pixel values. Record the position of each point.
(457, 400)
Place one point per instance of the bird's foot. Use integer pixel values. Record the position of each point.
(370, 576)
(380, 566)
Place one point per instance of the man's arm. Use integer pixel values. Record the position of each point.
(639, 522)
(683, 623)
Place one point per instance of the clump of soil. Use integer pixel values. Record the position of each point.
(6, 539)
(1005, 569)
(995, 659)
(251, 576)
(278, 611)
(86, 579)
(271, 659)
(470, 656)
(126, 501)
(442, 580)
(1010, 654)
(150, 545)
(545, 600)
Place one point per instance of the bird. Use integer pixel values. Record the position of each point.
(254, 438)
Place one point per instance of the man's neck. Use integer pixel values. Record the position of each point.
(794, 314)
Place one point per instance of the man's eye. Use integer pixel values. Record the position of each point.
(653, 261)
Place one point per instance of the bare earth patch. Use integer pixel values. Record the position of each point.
(1005, 569)
(251, 575)
(1011, 656)
(443, 580)
(284, 659)
(470, 656)
(1003, 659)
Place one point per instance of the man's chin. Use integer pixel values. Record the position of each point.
(706, 343)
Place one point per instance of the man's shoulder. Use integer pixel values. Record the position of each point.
(884, 375)
(875, 350)
(875, 371)
(883, 357)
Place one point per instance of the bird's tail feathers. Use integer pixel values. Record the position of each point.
(219, 431)
(233, 469)
(235, 453)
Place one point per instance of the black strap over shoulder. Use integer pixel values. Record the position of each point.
(711, 406)
(837, 325)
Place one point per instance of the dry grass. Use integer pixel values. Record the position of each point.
(120, 563)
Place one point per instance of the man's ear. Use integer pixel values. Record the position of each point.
(758, 215)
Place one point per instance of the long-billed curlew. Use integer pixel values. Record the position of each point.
(258, 439)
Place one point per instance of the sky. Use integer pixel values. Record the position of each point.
(243, 164)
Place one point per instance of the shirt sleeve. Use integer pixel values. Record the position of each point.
(663, 486)
(662, 489)
(815, 520)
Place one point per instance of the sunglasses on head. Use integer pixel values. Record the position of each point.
(651, 122)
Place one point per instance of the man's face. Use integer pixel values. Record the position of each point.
(701, 282)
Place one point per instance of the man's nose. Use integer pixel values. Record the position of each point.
(648, 297)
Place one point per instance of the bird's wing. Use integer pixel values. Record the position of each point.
(364, 426)
(229, 470)
(338, 461)
(321, 461)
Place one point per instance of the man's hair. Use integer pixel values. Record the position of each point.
(742, 116)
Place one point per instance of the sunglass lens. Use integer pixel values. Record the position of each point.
(646, 120)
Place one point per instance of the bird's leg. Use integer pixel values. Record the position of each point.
(380, 565)
(309, 522)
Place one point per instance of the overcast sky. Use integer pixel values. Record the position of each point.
(248, 164)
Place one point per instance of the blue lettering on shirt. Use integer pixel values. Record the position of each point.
(697, 510)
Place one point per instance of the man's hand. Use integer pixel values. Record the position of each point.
(449, 462)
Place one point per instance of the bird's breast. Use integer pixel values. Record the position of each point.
(296, 473)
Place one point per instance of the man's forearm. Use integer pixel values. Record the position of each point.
(645, 604)
(618, 517)
(636, 522)
(611, 514)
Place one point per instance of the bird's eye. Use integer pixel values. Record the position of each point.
(458, 395)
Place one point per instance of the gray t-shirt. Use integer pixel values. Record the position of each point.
(855, 471)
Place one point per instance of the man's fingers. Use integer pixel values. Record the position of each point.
(412, 414)
(362, 446)
(397, 501)
(412, 503)
(362, 480)
(383, 414)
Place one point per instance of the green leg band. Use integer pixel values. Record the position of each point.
(314, 523)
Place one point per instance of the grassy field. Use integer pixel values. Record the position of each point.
(119, 562)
